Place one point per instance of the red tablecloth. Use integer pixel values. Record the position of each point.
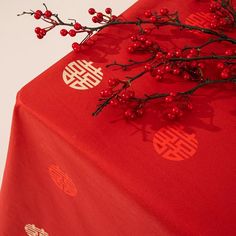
(69, 173)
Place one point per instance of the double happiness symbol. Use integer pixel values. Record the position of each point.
(62, 180)
(201, 19)
(32, 230)
(82, 75)
(175, 144)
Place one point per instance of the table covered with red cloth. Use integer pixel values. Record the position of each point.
(69, 173)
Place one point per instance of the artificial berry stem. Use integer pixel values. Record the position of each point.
(187, 92)
(187, 64)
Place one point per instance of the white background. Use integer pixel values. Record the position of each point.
(23, 56)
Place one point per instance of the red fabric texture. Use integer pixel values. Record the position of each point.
(69, 173)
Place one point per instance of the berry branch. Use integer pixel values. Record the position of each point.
(183, 64)
(187, 92)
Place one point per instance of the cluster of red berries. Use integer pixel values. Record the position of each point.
(77, 27)
(38, 14)
(175, 105)
(154, 18)
(133, 113)
(40, 32)
(226, 70)
(79, 47)
(221, 19)
(108, 92)
(132, 109)
(99, 17)
(188, 69)
(142, 42)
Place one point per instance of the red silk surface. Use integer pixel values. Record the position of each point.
(69, 173)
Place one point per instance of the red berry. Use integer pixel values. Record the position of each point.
(76, 47)
(171, 116)
(201, 65)
(180, 114)
(215, 17)
(121, 100)
(167, 68)
(175, 110)
(147, 31)
(39, 12)
(178, 53)
(148, 13)
(222, 22)
(147, 67)
(159, 55)
(37, 15)
(173, 94)
(221, 65)
(190, 56)
(136, 44)
(72, 33)
(108, 10)
(144, 46)
(130, 49)
(169, 55)
(164, 11)
(148, 43)
(40, 36)
(113, 82)
(124, 96)
(113, 18)
(99, 15)
(106, 92)
(176, 71)
(37, 30)
(153, 19)
(114, 102)
(160, 71)
(159, 77)
(133, 37)
(91, 11)
(169, 99)
(217, 5)
(225, 74)
(229, 52)
(139, 112)
(129, 114)
(193, 51)
(186, 76)
(77, 26)
(190, 106)
(142, 38)
(43, 32)
(95, 19)
(193, 64)
(47, 14)
(63, 32)
(213, 25)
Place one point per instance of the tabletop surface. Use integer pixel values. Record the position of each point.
(187, 187)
